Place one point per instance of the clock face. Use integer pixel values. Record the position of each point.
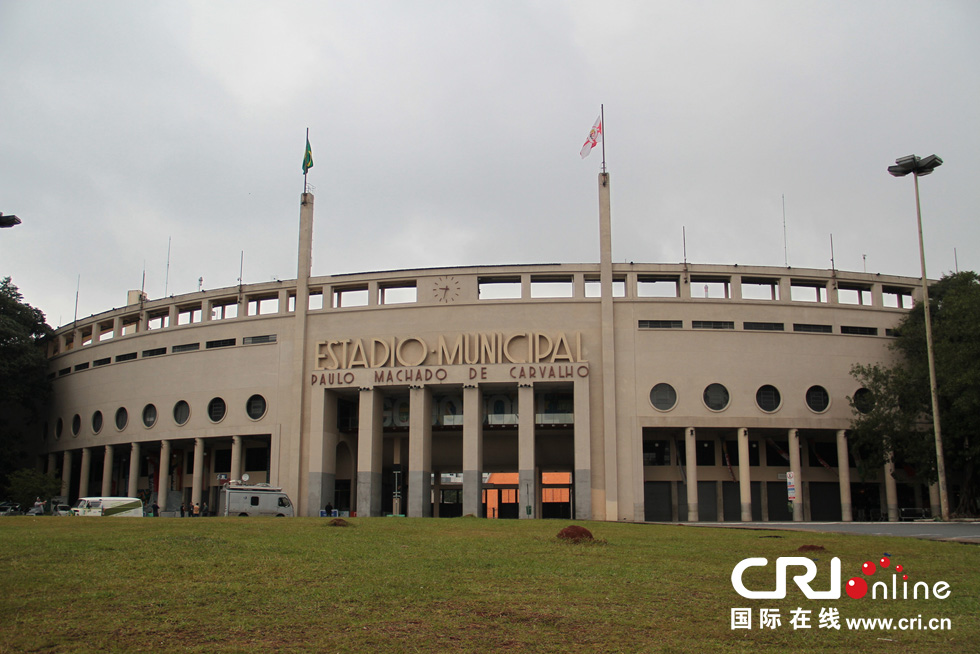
(445, 289)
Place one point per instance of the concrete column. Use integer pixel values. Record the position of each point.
(134, 469)
(198, 479)
(52, 463)
(528, 488)
(324, 437)
(107, 471)
(610, 436)
(66, 472)
(744, 475)
(844, 472)
(236, 457)
(420, 453)
(369, 453)
(934, 504)
(472, 451)
(83, 477)
(795, 468)
(583, 451)
(163, 475)
(891, 492)
(690, 452)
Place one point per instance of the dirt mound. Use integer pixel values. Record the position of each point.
(575, 534)
(338, 522)
(811, 548)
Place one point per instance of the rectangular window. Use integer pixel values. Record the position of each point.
(64, 371)
(188, 347)
(777, 454)
(758, 288)
(897, 297)
(126, 357)
(226, 310)
(499, 288)
(658, 286)
(257, 340)
(854, 294)
(812, 329)
(81, 366)
(159, 320)
(712, 324)
(226, 342)
(858, 331)
(316, 299)
(656, 453)
(155, 352)
(354, 296)
(398, 293)
(661, 324)
(823, 453)
(807, 291)
(763, 326)
(102, 362)
(703, 286)
(254, 500)
(545, 286)
(256, 459)
(222, 461)
(261, 306)
(705, 452)
(189, 315)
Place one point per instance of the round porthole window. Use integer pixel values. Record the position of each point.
(768, 398)
(97, 422)
(817, 398)
(76, 424)
(663, 397)
(716, 397)
(149, 415)
(864, 401)
(182, 412)
(122, 418)
(216, 409)
(255, 407)
(59, 427)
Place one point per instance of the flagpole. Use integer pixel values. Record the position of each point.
(304, 156)
(602, 123)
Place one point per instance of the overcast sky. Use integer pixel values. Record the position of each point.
(448, 133)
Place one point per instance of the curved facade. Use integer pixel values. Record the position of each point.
(610, 392)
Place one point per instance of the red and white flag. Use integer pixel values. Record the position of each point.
(595, 138)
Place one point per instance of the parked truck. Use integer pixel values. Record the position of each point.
(256, 500)
(119, 507)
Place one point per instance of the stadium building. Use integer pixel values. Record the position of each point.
(667, 392)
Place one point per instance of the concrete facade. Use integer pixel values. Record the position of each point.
(665, 391)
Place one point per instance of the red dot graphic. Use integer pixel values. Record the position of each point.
(905, 577)
(856, 588)
(885, 562)
(868, 568)
(898, 568)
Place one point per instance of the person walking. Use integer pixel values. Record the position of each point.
(197, 510)
(183, 510)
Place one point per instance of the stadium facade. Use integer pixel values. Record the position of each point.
(673, 392)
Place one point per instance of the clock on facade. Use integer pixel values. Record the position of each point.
(446, 289)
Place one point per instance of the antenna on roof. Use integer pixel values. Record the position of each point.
(785, 247)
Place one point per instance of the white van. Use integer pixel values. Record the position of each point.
(260, 499)
(117, 507)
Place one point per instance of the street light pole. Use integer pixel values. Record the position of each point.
(916, 166)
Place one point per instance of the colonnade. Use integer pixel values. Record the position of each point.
(368, 477)
(163, 477)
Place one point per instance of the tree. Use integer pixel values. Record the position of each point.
(893, 420)
(24, 486)
(24, 386)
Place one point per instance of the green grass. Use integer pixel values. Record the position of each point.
(449, 585)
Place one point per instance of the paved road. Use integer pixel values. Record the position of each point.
(964, 532)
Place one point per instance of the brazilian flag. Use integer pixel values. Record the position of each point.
(308, 158)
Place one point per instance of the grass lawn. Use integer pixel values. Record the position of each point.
(449, 585)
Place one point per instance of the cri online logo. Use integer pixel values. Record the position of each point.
(856, 587)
